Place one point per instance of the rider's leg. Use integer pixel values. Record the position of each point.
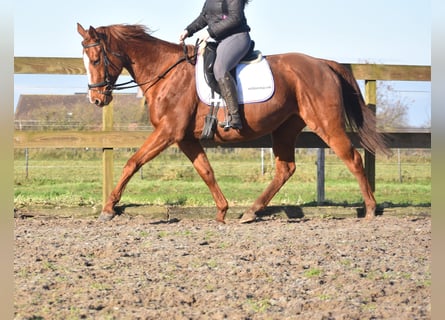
(229, 53)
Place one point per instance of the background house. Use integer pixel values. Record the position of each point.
(75, 112)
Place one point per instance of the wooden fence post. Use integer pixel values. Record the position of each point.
(107, 155)
(371, 101)
(26, 163)
(320, 176)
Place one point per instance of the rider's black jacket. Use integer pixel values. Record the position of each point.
(222, 18)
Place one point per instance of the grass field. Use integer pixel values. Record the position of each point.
(73, 177)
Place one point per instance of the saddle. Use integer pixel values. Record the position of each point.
(259, 89)
(209, 57)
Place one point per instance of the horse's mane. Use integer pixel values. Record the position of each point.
(126, 32)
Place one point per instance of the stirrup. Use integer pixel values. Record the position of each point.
(225, 124)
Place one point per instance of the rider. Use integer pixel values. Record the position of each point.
(226, 23)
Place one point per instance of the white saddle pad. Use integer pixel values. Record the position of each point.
(254, 81)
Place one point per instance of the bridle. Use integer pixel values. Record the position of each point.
(110, 86)
(106, 62)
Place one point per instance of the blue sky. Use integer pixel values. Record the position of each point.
(348, 31)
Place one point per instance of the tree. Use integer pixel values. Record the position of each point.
(427, 122)
(392, 109)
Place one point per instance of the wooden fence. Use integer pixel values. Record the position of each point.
(109, 139)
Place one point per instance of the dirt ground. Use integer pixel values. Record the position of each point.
(146, 267)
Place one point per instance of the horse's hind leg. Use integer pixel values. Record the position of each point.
(343, 148)
(155, 144)
(194, 151)
(284, 151)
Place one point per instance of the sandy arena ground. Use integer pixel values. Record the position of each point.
(140, 267)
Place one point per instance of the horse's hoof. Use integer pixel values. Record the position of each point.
(248, 217)
(370, 213)
(105, 216)
(221, 217)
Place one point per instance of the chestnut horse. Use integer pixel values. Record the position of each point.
(317, 93)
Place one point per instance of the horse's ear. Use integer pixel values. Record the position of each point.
(81, 30)
(92, 32)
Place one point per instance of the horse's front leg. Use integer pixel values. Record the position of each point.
(194, 151)
(158, 141)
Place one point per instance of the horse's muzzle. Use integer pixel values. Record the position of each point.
(100, 99)
(99, 103)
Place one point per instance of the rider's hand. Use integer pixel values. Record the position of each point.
(183, 35)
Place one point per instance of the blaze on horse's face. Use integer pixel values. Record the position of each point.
(96, 65)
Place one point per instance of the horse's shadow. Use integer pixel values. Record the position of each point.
(298, 212)
(292, 212)
(120, 210)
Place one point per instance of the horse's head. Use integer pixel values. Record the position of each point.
(102, 65)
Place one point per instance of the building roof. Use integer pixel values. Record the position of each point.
(76, 110)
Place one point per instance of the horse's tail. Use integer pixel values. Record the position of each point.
(359, 116)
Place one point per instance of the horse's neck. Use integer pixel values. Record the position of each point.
(150, 60)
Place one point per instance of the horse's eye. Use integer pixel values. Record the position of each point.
(96, 62)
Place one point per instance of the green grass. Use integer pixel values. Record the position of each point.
(313, 273)
(72, 177)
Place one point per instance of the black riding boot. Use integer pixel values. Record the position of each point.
(229, 93)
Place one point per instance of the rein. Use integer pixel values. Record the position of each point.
(127, 85)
